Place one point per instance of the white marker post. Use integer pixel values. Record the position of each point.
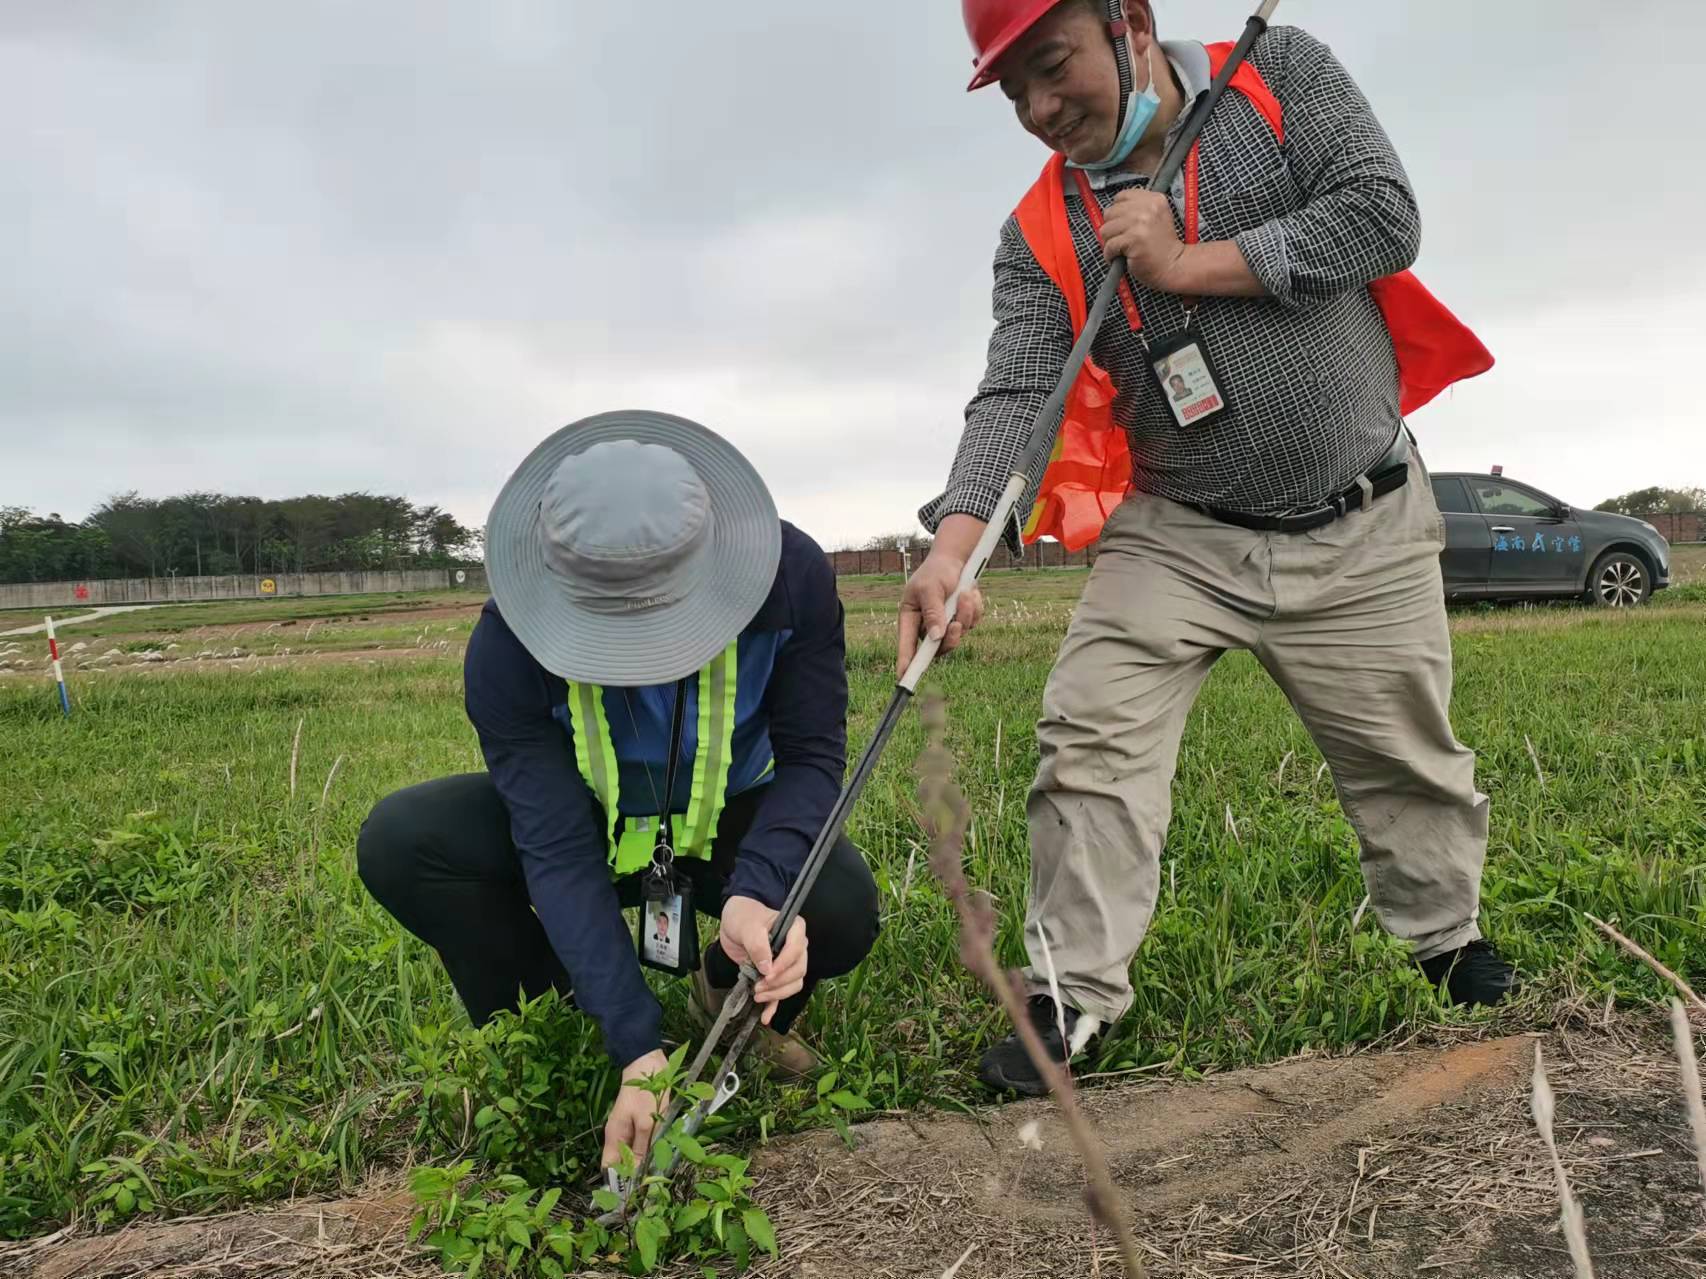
(58, 670)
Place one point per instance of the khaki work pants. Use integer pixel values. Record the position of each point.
(1349, 620)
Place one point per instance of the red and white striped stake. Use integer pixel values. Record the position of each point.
(58, 670)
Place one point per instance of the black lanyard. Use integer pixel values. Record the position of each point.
(673, 949)
(666, 822)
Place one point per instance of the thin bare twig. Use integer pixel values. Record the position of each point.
(1535, 756)
(954, 1269)
(313, 856)
(1649, 961)
(327, 788)
(295, 746)
(1054, 989)
(946, 816)
(1575, 1232)
(1683, 1032)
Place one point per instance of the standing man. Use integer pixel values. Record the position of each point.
(659, 692)
(1267, 498)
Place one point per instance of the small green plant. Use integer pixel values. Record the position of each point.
(519, 1092)
(143, 863)
(506, 1222)
(125, 1189)
(505, 1226)
(835, 1103)
(721, 1220)
(50, 922)
(499, 1224)
(23, 1189)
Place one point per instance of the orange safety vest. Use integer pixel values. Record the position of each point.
(1089, 471)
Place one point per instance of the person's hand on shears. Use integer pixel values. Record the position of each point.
(633, 1116)
(745, 936)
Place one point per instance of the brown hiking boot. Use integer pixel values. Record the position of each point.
(786, 1055)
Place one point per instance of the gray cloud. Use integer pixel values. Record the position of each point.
(389, 246)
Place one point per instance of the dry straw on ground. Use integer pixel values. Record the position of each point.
(1545, 1108)
(1544, 1105)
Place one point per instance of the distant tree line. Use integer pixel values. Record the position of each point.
(1656, 501)
(892, 542)
(212, 533)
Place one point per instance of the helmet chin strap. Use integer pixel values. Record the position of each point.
(1119, 31)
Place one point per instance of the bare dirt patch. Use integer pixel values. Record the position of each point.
(1422, 1162)
(346, 1236)
(245, 645)
(321, 657)
(1375, 1167)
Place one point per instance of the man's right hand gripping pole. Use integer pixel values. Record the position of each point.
(923, 606)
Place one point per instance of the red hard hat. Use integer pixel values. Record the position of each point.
(993, 26)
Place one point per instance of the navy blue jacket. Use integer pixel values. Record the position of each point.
(791, 702)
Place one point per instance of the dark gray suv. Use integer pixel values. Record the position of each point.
(1506, 540)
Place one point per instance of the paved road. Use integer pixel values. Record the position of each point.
(107, 611)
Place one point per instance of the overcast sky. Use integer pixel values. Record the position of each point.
(329, 246)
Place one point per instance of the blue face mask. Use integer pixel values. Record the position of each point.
(1140, 111)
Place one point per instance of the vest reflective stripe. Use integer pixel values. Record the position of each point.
(595, 756)
(711, 767)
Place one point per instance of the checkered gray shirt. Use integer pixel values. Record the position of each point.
(1309, 370)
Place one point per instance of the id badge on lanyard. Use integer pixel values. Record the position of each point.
(667, 934)
(1185, 374)
(668, 930)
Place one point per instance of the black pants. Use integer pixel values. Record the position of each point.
(439, 857)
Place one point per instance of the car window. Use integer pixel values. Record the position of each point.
(1502, 499)
(1452, 497)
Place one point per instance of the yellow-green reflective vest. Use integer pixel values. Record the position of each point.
(595, 755)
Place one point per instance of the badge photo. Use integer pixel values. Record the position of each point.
(667, 929)
(1187, 380)
(661, 930)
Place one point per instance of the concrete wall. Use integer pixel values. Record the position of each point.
(1678, 528)
(165, 590)
(1037, 555)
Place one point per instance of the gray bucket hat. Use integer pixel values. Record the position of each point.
(630, 548)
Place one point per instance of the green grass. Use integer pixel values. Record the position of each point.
(207, 996)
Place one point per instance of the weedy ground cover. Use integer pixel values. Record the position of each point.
(199, 1006)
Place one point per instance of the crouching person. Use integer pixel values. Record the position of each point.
(654, 630)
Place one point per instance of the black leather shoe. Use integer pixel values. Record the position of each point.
(1007, 1067)
(1473, 976)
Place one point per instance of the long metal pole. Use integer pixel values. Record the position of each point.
(1040, 441)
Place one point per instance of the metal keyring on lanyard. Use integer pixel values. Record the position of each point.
(663, 850)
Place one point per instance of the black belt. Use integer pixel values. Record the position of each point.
(1353, 498)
